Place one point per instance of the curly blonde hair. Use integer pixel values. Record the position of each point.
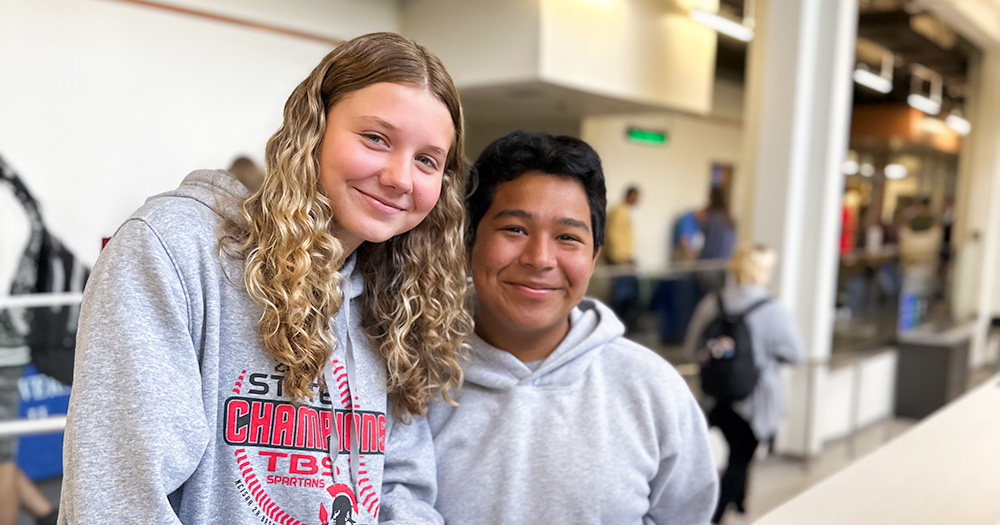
(415, 283)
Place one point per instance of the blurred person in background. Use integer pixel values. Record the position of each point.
(247, 172)
(620, 253)
(920, 240)
(775, 340)
(719, 238)
(19, 270)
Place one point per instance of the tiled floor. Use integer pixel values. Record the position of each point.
(775, 480)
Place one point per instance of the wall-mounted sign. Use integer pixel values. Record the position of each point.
(648, 136)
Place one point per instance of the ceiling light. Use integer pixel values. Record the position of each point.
(931, 102)
(895, 171)
(849, 167)
(871, 80)
(722, 25)
(923, 104)
(957, 122)
(881, 82)
(867, 169)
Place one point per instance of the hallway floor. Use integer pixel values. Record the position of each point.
(775, 479)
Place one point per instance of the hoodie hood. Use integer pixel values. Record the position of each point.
(217, 189)
(738, 298)
(592, 326)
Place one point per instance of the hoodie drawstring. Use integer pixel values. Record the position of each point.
(344, 341)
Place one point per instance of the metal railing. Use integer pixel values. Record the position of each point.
(27, 427)
(36, 300)
(48, 425)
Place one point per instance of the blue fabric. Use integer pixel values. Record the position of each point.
(720, 237)
(686, 227)
(625, 300)
(40, 456)
(674, 302)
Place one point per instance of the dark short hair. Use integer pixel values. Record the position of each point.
(517, 153)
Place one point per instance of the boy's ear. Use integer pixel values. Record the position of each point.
(597, 253)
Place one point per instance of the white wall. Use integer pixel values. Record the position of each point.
(644, 51)
(338, 19)
(639, 50)
(105, 103)
(727, 100)
(481, 133)
(481, 42)
(673, 178)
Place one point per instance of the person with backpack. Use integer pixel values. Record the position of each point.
(740, 337)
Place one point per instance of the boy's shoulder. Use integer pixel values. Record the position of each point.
(640, 365)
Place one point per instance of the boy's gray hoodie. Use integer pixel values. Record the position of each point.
(603, 431)
(177, 413)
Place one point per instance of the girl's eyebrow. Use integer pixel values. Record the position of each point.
(379, 122)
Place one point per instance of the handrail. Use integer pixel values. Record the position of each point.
(25, 427)
(36, 300)
(674, 269)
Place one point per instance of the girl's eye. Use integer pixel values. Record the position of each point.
(374, 138)
(428, 161)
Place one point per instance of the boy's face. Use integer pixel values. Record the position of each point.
(532, 258)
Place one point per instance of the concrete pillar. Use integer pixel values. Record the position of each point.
(978, 228)
(796, 126)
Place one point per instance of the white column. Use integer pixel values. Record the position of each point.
(978, 235)
(796, 124)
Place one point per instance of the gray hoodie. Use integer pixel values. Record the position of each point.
(603, 431)
(177, 413)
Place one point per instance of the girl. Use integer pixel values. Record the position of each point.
(235, 351)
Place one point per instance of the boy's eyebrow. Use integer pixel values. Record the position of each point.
(521, 214)
(524, 214)
(574, 223)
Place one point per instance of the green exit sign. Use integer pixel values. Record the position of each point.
(646, 136)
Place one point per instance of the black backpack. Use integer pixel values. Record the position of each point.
(725, 355)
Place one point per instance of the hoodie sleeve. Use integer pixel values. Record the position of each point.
(137, 426)
(409, 480)
(704, 313)
(685, 489)
(785, 342)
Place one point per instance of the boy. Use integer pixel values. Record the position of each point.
(562, 420)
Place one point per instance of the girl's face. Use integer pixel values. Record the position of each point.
(382, 160)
